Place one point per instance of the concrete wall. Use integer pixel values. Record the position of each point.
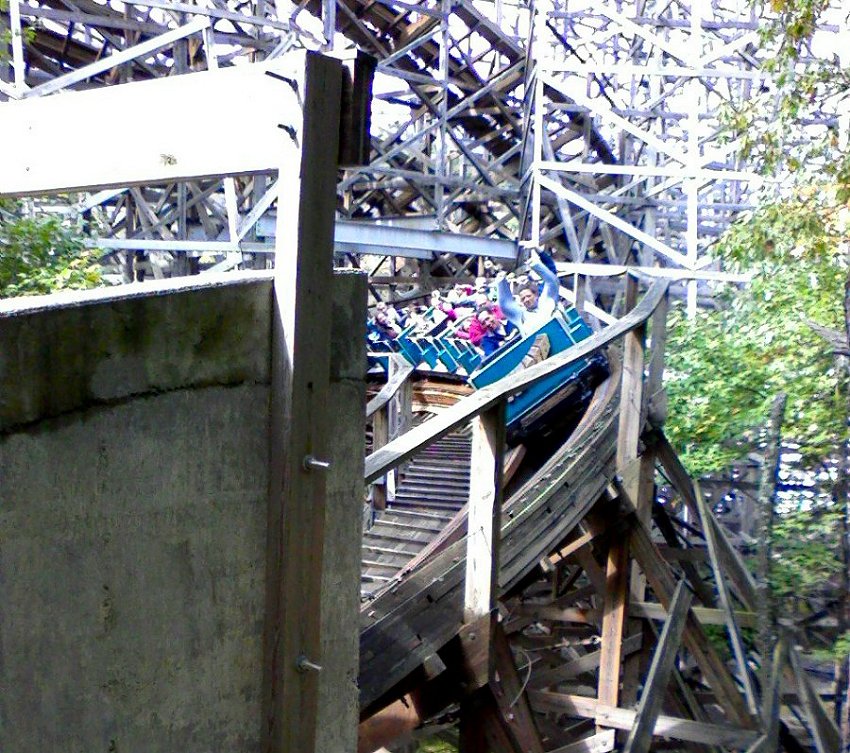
(133, 483)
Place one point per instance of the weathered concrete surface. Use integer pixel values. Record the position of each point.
(133, 482)
(63, 353)
(132, 577)
(134, 457)
(338, 691)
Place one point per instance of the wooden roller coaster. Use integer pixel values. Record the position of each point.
(578, 613)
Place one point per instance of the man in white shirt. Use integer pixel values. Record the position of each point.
(534, 309)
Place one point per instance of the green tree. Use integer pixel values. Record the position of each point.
(40, 255)
(726, 365)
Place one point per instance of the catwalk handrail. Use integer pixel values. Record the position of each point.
(399, 450)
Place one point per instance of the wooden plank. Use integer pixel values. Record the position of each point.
(705, 615)
(338, 703)
(570, 548)
(661, 581)
(825, 733)
(400, 370)
(656, 400)
(631, 392)
(404, 447)
(613, 619)
(651, 699)
(771, 701)
(34, 134)
(299, 423)
(509, 691)
(666, 726)
(380, 436)
(738, 649)
(586, 663)
(733, 566)
(142, 50)
(602, 742)
(484, 513)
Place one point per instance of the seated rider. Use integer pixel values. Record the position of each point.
(494, 332)
(534, 308)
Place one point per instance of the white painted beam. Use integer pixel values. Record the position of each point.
(78, 140)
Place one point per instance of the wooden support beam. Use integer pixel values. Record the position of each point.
(602, 742)
(824, 732)
(34, 133)
(736, 738)
(338, 713)
(662, 582)
(587, 663)
(298, 424)
(733, 566)
(705, 615)
(509, 691)
(485, 512)
(771, 701)
(613, 619)
(738, 649)
(649, 706)
(380, 437)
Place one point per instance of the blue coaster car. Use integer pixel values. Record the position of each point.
(527, 408)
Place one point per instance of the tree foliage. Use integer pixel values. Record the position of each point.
(726, 365)
(40, 255)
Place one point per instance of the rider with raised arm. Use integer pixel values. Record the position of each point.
(535, 307)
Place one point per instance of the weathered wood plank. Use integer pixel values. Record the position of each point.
(652, 697)
(586, 663)
(484, 513)
(613, 620)
(602, 742)
(666, 726)
(826, 736)
(299, 423)
(661, 580)
(735, 638)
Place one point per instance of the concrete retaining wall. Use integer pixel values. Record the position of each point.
(133, 482)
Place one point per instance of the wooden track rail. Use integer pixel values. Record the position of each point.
(431, 634)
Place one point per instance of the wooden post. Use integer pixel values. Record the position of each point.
(380, 437)
(656, 399)
(725, 600)
(298, 423)
(340, 609)
(766, 637)
(651, 699)
(580, 288)
(616, 587)
(485, 512)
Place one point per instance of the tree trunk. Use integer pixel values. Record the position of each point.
(766, 615)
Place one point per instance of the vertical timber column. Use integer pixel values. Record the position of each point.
(338, 692)
(485, 513)
(299, 417)
(616, 586)
(481, 584)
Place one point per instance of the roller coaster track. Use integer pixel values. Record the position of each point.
(415, 629)
(418, 607)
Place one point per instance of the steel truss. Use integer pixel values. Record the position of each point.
(591, 128)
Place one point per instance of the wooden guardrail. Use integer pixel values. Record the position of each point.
(390, 411)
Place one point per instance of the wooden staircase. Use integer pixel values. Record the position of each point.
(432, 490)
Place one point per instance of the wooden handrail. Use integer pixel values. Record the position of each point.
(398, 376)
(396, 452)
